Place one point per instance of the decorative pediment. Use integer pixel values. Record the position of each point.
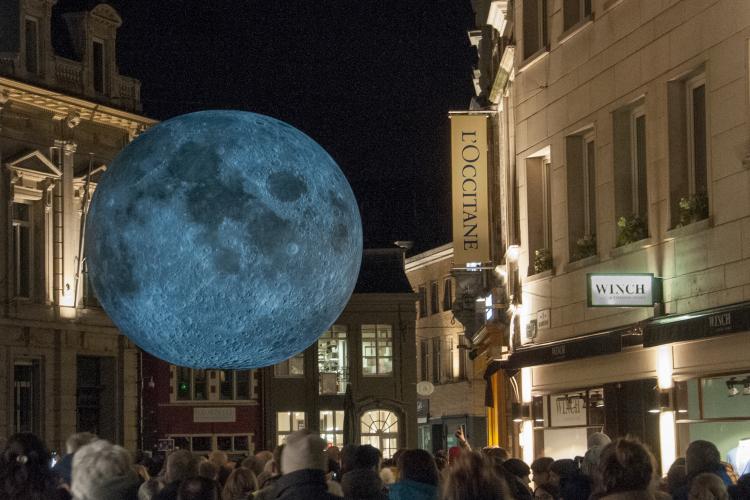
(107, 14)
(35, 165)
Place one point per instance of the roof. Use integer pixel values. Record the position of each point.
(382, 271)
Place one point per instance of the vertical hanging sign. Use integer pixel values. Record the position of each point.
(471, 228)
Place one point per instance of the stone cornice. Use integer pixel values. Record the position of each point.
(62, 106)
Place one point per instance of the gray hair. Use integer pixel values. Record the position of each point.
(181, 465)
(78, 440)
(97, 465)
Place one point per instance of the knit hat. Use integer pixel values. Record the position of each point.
(517, 467)
(303, 450)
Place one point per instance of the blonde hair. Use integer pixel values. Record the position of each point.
(240, 483)
(472, 477)
(707, 486)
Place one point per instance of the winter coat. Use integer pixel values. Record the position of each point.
(304, 484)
(629, 495)
(412, 490)
(363, 484)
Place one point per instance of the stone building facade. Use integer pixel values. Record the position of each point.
(452, 387)
(63, 117)
(631, 124)
(357, 383)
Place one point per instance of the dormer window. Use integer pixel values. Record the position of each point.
(98, 66)
(31, 28)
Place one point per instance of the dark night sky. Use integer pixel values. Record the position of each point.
(371, 80)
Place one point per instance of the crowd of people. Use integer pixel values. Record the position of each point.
(305, 468)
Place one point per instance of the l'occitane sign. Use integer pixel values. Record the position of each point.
(471, 231)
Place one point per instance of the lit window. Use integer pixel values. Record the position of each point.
(534, 27)
(377, 349)
(332, 427)
(333, 363)
(32, 45)
(288, 422)
(379, 428)
(292, 367)
(22, 249)
(574, 12)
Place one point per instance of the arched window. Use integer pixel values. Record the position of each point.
(379, 428)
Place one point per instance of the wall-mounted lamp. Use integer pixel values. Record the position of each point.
(512, 253)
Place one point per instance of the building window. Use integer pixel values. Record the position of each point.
(89, 296)
(434, 298)
(292, 367)
(332, 427)
(463, 358)
(446, 374)
(333, 361)
(436, 356)
(235, 385)
(99, 64)
(575, 12)
(379, 428)
(377, 349)
(32, 45)
(424, 360)
(288, 422)
(233, 444)
(447, 294)
(631, 197)
(22, 249)
(27, 396)
(422, 298)
(688, 160)
(539, 209)
(191, 384)
(534, 27)
(581, 175)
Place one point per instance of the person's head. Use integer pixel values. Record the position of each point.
(198, 488)
(590, 463)
(496, 454)
(303, 450)
(625, 465)
(518, 468)
(367, 457)
(255, 464)
(181, 464)
(441, 460)
(240, 483)
(701, 456)
(419, 466)
(472, 476)
(219, 458)
(333, 453)
(347, 457)
(78, 440)
(707, 486)
(149, 489)
(208, 469)
(264, 456)
(24, 466)
(560, 470)
(677, 475)
(453, 453)
(540, 469)
(598, 439)
(98, 466)
(141, 471)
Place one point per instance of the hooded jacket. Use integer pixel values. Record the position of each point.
(363, 484)
(412, 490)
(303, 484)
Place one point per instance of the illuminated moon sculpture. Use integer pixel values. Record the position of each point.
(223, 239)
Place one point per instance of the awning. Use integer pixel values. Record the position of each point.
(697, 325)
(585, 346)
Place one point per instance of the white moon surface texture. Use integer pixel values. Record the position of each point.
(223, 239)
